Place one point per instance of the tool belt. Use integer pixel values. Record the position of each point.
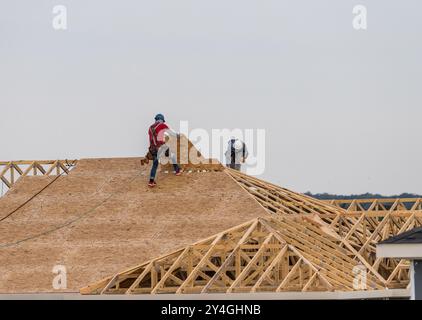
(153, 150)
(149, 156)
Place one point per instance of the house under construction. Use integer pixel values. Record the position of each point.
(211, 231)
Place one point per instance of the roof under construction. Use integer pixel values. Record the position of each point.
(102, 217)
(211, 230)
(302, 245)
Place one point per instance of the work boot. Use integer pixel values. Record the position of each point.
(152, 184)
(178, 173)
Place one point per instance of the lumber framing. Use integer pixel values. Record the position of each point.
(272, 254)
(359, 223)
(280, 200)
(388, 204)
(11, 171)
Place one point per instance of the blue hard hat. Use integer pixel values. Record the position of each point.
(159, 117)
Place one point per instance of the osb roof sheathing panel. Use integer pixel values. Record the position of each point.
(102, 218)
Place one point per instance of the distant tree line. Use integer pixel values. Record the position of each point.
(329, 196)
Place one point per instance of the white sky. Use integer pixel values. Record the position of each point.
(341, 108)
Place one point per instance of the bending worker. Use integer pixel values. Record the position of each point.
(236, 153)
(158, 147)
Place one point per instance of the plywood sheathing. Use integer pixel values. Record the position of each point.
(188, 157)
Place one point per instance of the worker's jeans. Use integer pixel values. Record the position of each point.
(163, 149)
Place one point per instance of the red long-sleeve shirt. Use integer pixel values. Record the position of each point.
(157, 139)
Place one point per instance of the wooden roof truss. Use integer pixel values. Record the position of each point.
(11, 171)
(263, 255)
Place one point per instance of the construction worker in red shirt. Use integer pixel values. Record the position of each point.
(158, 146)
